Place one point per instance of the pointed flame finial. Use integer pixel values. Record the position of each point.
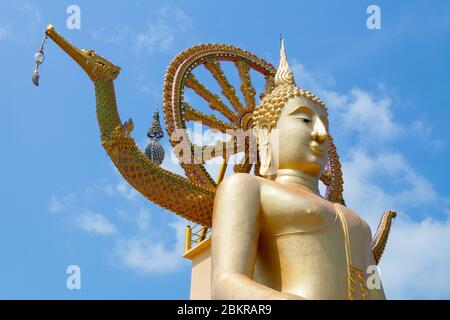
(155, 131)
(284, 75)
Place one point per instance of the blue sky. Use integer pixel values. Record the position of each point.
(63, 203)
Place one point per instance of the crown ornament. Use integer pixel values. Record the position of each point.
(155, 151)
(284, 75)
(270, 107)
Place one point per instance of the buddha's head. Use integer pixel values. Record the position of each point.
(291, 127)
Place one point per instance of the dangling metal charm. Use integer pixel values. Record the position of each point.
(35, 77)
(39, 58)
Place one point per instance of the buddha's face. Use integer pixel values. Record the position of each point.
(299, 140)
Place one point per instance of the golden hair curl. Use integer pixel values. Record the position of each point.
(269, 109)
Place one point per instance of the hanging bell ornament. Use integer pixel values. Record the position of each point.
(35, 76)
(39, 58)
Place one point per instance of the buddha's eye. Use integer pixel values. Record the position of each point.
(305, 119)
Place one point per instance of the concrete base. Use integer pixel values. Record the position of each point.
(200, 256)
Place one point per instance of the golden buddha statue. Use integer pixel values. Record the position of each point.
(273, 235)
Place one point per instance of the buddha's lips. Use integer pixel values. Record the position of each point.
(316, 150)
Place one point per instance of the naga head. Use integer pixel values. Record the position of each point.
(97, 67)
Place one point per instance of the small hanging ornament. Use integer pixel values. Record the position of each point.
(39, 58)
(155, 151)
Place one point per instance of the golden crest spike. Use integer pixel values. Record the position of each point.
(284, 74)
(283, 59)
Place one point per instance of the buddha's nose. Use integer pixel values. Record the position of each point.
(319, 132)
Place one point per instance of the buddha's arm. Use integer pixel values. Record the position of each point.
(235, 241)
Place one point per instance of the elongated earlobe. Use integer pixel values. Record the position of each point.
(264, 169)
(264, 149)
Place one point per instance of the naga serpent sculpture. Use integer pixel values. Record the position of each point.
(190, 197)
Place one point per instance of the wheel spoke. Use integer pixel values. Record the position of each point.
(228, 90)
(209, 120)
(219, 149)
(246, 84)
(213, 99)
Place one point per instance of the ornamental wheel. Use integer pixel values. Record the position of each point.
(188, 99)
(217, 87)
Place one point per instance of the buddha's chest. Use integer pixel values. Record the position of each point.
(290, 211)
(311, 242)
(287, 211)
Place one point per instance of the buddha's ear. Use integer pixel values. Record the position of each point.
(262, 134)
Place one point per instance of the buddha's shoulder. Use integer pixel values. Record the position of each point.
(250, 185)
(356, 218)
(245, 179)
(239, 182)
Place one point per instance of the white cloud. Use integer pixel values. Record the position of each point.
(146, 255)
(32, 23)
(377, 178)
(369, 177)
(55, 205)
(304, 79)
(141, 220)
(370, 118)
(417, 260)
(106, 35)
(95, 223)
(4, 33)
(148, 87)
(358, 111)
(124, 189)
(161, 33)
(111, 189)
(425, 132)
(60, 204)
(23, 22)
(32, 11)
(139, 242)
